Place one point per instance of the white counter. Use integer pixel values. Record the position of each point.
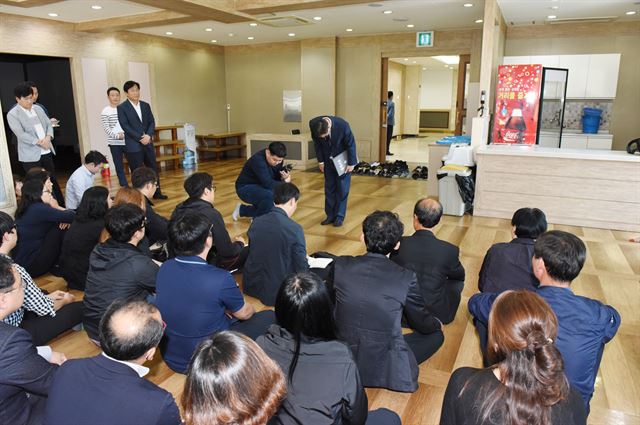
(300, 149)
(592, 188)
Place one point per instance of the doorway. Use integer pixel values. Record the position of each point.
(52, 76)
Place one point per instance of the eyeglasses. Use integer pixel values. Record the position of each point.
(144, 223)
(46, 191)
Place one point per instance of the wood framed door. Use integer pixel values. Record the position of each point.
(384, 75)
(461, 107)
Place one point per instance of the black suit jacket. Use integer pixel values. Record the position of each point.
(99, 391)
(508, 266)
(22, 371)
(436, 264)
(371, 295)
(133, 127)
(156, 228)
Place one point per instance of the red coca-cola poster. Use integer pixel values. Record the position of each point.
(517, 101)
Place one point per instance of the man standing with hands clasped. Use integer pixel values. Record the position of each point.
(336, 151)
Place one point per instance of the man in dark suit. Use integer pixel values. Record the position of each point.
(139, 126)
(25, 374)
(145, 180)
(109, 388)
(372, 294)
(332, 136)
(435, 262)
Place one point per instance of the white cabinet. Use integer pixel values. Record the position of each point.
(548, 140)
(578, 66)
(586, 141)
(602, 80)
(602, 142)
(574, 141)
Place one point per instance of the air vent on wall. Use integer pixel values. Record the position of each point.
(595, 19)
(285, 21)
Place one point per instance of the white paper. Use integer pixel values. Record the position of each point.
(340, 162)
(319, 263)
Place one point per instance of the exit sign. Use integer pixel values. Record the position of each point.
(424, 39)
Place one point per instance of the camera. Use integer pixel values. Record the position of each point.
(287, 168)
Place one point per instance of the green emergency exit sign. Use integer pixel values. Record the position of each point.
(424, 39)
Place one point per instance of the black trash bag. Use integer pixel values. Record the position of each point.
(467, 188)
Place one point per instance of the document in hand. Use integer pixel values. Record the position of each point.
(319, 263)
(340, 162)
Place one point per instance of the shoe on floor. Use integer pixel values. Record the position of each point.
(236, 212)
(389, 154)
(338, 222)
(327, 221)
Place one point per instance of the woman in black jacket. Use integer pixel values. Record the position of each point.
(323, 382)
(83, 236)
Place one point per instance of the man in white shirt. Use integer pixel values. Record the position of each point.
(82, 178)
(115, 133)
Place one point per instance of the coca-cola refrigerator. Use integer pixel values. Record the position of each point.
(523, 93)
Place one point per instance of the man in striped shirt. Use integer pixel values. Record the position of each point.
(115, 134)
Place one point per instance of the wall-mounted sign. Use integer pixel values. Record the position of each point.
(424, 39)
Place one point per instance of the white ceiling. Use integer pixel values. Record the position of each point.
(80, 10)
(427, 63)
(526, 12)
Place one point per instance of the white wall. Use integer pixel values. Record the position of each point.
(435, 92)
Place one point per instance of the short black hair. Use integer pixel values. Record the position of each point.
(278, 149)
(93, 205)
(428, 215)
(196, 183)
(110, 89)
(563, 254)
(130, 84)
(318, 127)
(95, 157)
(130, 347)
(141, 176)
(7, 223)
(22, 90)
(123, 221)
(187, 233)
(382, 231)
(6, 273)
(31, 84)
(529, 222)
(284, 192)
(389, 94)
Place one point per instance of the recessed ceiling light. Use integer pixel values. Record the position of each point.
(208, 29)
(53, 15)
(231, 34)
(250, 38)
(424, 69)
(317, 18)
(349, 29)
(168, 33)
(253, 24)
(415, 62)
(468, 5)
(292, 34)
(479, 21)
(552, 17)
(410, 25)
(406, 59)
(446, 66)
(214, 41)
(388, 12)
(631, 12)
(96, 7)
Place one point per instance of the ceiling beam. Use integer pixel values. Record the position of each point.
(28, 3)
(143, 20)
(256, 7)
(215, 10)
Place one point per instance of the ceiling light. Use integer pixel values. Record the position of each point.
(479, 21)
(96, 7)
(253, 24)
(415, 62)
(410, 25)
(317, 18)
(424, 69)
(446, 66)
(388, 12)
(406, 59)
(449, 60)
(631, 12)
(250, 38)
(230, 34)
(208, 29)
(349, 29)
(214, 41)
(552, 17)
(53, 15)
(292, 34)
(168, 33)
(468, 5)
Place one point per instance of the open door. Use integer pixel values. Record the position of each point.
(384, 74)
(461, 97)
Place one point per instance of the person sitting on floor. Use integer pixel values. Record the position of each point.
(117, 268)
(226, 253)
(435, 262)
(526, 384)
(145, 180)
(197, 299)
(371, 294)
(323, 381)
(82, 178)
(43, 316)
(508, 265)
(109, 388)
(39, 226)
(129, 195)
(584, 325)
(26, 372)
(276, 247)
(83, 236)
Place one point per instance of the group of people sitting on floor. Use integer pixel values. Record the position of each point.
(364, 321)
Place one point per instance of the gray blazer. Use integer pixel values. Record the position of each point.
(28, 150)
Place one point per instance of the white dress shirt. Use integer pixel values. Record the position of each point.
(136, 106)
(80, 180)
(140, 370)
(38, 127)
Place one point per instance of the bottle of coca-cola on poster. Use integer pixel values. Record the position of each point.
(514, 128)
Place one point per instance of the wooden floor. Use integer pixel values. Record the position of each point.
(611, 274)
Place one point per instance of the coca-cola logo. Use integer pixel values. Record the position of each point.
(511, 136)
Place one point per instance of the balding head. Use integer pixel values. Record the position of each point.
(426, 213)
(129, 329)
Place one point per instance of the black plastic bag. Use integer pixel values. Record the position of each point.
(467, 188)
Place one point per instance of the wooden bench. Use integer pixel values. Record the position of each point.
(167, 150)
(221, 143)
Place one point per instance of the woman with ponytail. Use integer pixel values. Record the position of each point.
(323, 382)
(526, 384)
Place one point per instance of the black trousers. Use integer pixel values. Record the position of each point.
(235, 263)
(424, 346)
(46, 162)
(147, 157)
(257, 325)
(454, 290)
(44, 328)
(48, 254)
(389, 137)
